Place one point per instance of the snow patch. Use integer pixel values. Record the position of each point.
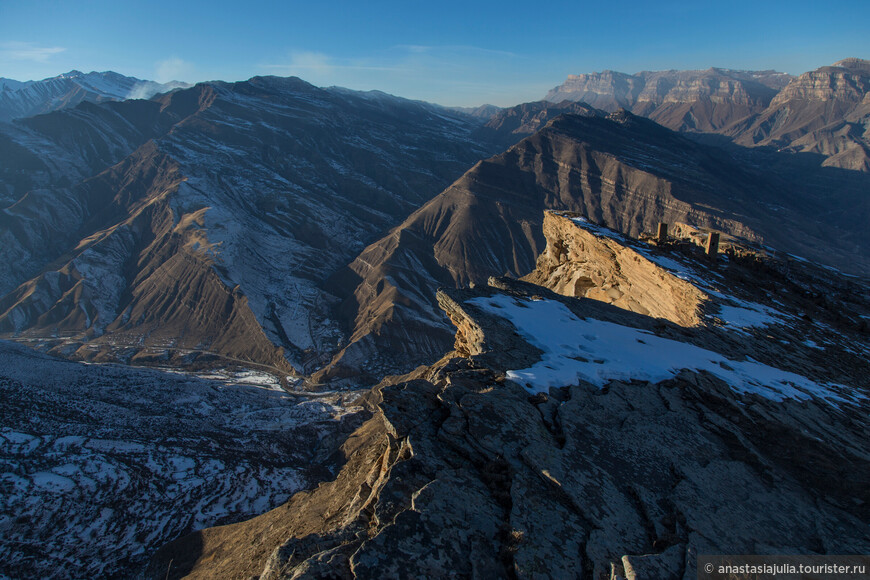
(598, 352)
(749, 315)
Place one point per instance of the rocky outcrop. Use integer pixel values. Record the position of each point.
(680, 100)
(462, 472)
(262, 546)
(824, 112)
(579, 263)
(846, 80)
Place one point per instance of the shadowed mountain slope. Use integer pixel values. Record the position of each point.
(622, 170)
(205, 221)
(566, 437)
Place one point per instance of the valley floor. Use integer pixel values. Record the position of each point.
(101, 464)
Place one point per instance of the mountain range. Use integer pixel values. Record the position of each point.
(618, 169)
(565, 437)
(825, 112)
(357, 257)
(25, 99)
(132, 236)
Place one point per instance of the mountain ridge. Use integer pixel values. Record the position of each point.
(317, 173)
(20, 99)
(824, 111)
(501, 460)
(620, 169)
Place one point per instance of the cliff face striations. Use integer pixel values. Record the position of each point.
(680, 100)
(823, 112)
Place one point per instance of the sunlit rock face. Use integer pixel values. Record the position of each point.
(825, 112)
(583, 260)
(821, 113)
(703, 101)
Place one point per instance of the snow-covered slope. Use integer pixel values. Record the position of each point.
(100, 464)
(24, 99)
(598, 352)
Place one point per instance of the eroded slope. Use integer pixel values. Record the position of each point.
(205, 222)
(102, 464)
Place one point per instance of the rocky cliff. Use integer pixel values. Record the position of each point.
(566, 437)
(582, 260)
(822, 113)
(825, 112)
(680, 100)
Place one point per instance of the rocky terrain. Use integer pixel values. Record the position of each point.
(387, 338)
(567, 437)
(508, 126)
(591, 262)
(703, 101)
(823, 112)
(29, 98)
(102, 464)
(126, 230)
(123, 226)
(619, 169)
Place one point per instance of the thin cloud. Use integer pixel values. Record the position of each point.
(28, 51)
(453, 49)
(450, 74)
(173, 69)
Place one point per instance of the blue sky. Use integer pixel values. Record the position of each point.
(454, 53)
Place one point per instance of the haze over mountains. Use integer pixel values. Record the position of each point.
(273, 227)
(697, 100)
